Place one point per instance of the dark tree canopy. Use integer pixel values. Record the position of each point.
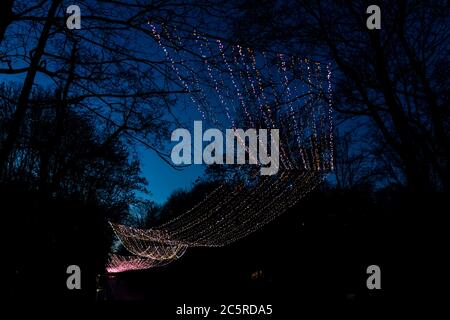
(392, 82)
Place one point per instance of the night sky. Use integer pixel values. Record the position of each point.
(162, 178)
(362, 110)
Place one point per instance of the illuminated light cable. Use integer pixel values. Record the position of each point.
(117, 263)
(175, 69)
(216, 86)
(245, 203)
(284, 158)
(290, 104)
(154, 244)
(202, 99)
(330, 116)
(238, 91)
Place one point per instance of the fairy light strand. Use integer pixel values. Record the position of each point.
(242, 205)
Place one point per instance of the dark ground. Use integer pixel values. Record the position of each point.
(315, 254)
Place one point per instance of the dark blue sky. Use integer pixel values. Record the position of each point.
(162, 178)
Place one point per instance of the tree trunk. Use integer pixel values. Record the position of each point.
(6, 16)
(22, 103)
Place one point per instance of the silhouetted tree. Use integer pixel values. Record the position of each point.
(64, 152)
(355, 166)
(393, 79)
(66, 178)
(107, 67)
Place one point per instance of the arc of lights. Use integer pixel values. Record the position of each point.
(250, 86)
(119, 263)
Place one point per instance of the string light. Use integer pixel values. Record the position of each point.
(214, 81)
(153, 244)
(221, 222)
(244, 203)
(330, 117)
(238, 91)
(290, 104)
(175, 69)
(118, 263)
